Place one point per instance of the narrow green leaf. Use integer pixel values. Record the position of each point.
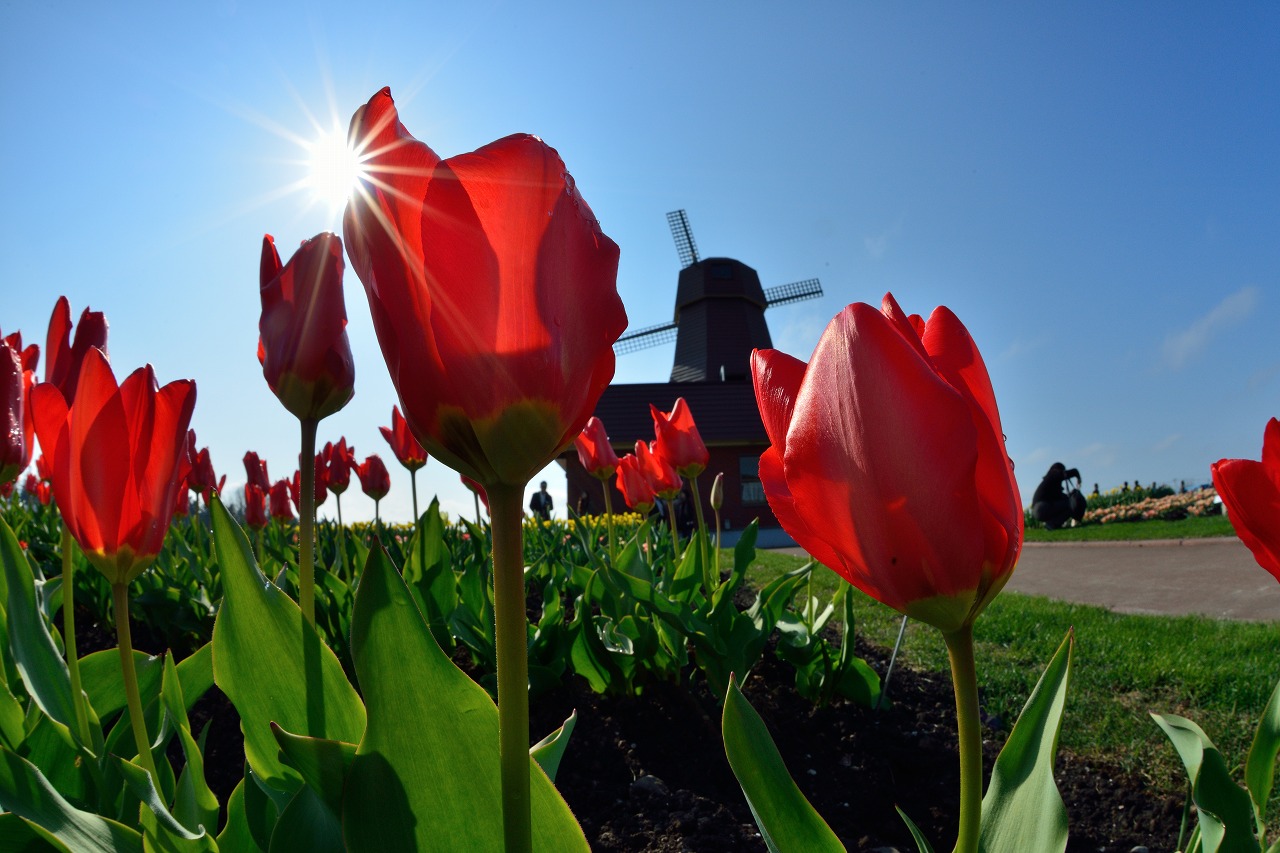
(1260, 768)
(787, 821)
(1022, 809)
(26, 793)
(426, 774)
(548, 751)
(1225, 812)
(101, 680)
(921, 841)
(236, 836)
(34, 652)
(322, 763)
(161, 823)
(271, 663)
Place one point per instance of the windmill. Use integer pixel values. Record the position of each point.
(719, 313)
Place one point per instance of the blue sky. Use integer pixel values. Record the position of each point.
(1093, 188)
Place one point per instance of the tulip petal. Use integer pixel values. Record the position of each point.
(1271, 450)
(777, 377)
(1249, 491)
(877, 430)
(100, 469)
(783, 505)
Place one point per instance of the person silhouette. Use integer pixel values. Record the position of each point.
(1053, 504)
(541, 504)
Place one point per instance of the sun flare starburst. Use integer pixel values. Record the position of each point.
(333, 169)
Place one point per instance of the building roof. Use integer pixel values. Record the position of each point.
(725, 412)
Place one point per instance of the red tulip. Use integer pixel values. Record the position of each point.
(64, 356)
(255, 470)
(118, 457)
(281, 507)
(30, 356)
(321, 488)
(202, 478)
(339, 461)
(15, 442)
(594, 451)
(662, 478)
(492, 290)
(181, 500)
(634, 485)
(374, 477)
(255, 506)
(678, 441)
(37, 489)
(888, 464)
(406, 448)
(1250, 491)
(44, 468)
(478, 489)
(305, 354)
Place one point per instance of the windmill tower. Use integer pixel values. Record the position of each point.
(719, 313)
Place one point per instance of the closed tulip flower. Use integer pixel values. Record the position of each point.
(255, 507)
(255, 469)
(662, 478)
(493, 293)
(634, 485)
(594, 451)
(1250, 490)
(374, 477)
(406, 448)
(119, 455)
(305, 354)
(280, 501)
(888, 463)
(339, 462)
(677, 439)
(13, 440)
(64, 354)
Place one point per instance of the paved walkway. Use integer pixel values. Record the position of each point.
(1210, 577)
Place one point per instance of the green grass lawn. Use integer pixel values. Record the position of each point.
(1217, 673)
(1186, 528)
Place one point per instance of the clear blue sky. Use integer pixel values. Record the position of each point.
(1093, 188)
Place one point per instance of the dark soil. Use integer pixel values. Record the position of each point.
(648, 773)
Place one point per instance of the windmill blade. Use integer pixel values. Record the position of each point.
(683, 235)
(644, 338)
(810, 288)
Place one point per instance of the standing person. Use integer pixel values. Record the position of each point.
(541, 504)
(1052, 503)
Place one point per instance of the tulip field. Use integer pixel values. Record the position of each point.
(459, 685)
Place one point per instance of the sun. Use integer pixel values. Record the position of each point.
(333, 169)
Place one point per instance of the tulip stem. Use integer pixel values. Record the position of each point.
(120, 598)
(413, 486)
(506, 509)
(307, 522)
(710, 577)
(964, 679)
(608, 517)
(69, 635)
(342, 535)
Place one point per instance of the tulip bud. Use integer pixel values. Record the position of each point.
(717, 492)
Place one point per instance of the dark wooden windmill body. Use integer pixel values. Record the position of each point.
(719, 318)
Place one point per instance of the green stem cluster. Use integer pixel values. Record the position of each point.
(120, 600)
(964, 679)
(506, 506)
(307, 522)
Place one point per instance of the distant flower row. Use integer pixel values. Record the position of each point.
(1169, 507)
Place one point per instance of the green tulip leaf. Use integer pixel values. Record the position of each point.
(1022, 809)
(272, 664)
(426, 772)
(322, 763)
(236, 834)
(165, 831)
(1260, 768)
(307, 825)
(788, 823)
(39, 662)
(429, 573)
(26, 793)
(100, 677)
(1226, 821)
(548, 751)
(19, 836)
(921, 841)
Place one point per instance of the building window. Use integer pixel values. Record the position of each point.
(749, 477)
